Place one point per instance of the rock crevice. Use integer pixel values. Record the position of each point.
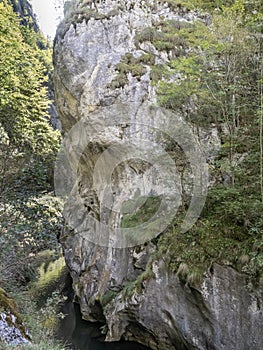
(108, 109)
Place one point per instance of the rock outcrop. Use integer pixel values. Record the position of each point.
(25, 11)
(115, 131)
(12, 328)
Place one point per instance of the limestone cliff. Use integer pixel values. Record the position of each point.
(114, 133)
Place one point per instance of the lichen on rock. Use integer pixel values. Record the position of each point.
(12, 328)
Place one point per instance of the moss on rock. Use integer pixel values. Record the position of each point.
(10, 316)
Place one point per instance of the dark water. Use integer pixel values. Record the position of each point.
(82, 335)
(79, 334)
(92, 344)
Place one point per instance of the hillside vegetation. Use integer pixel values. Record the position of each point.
(214, 76)
(30, 215)
(218, 65)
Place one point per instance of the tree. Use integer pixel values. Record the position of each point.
(218, 78)
(214, 76)
(23, 94)
(29, 214)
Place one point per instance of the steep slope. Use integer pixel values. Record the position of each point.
(25, 11)
(117, 171)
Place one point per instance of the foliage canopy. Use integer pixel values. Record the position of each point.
(29, 215)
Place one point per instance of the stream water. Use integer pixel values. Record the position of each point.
(78, 334)
(82, 335)
(91, 344)
(73, 331)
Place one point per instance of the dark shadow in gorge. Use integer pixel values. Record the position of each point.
(79, 334)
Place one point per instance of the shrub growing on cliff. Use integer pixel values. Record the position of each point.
(41, 337)
(218, 80)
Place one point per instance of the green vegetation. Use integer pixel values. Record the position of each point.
(41, 323)
(9, 308)
(108, 297)
(142, 212)
(165, 35)
(30, 215)
(214, 76)
(51, 275)
(81, 11)
(206, 5)
(23, 94)
(138, 285)
(136, 66)
(45, 344)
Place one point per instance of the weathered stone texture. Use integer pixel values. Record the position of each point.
(163, 313)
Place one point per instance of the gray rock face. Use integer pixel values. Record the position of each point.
(114, 132)
(223, 314)
(9, 331)
(93, 39)
(12, 329)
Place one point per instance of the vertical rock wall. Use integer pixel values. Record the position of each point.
(106, 102)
